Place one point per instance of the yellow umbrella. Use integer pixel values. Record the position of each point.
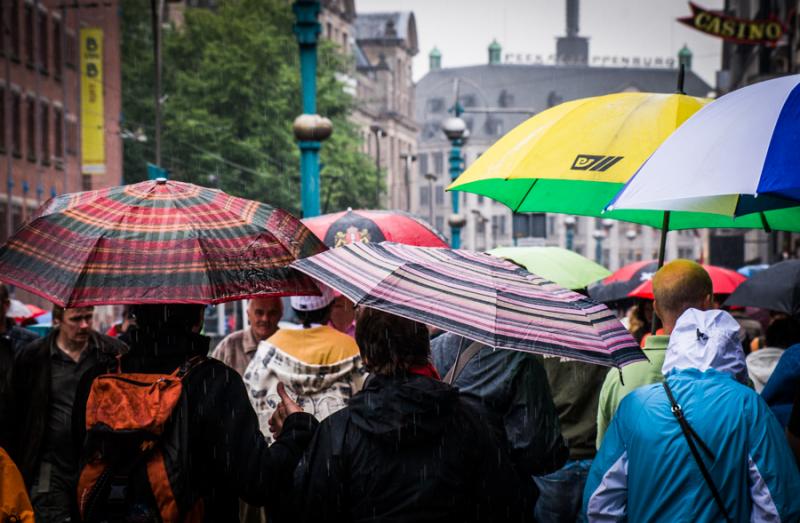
(573, 158)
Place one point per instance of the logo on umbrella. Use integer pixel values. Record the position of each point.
(351, 235)
(593, 162)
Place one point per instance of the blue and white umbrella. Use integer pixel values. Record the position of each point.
(738, 155)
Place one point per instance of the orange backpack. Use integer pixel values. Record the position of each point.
(134, 464)
(15, 507)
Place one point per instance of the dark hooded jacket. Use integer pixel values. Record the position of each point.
(513, 395)
(407, 449)
(228, 456)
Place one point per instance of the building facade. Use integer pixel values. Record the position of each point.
(382, 46)
(744, 65)
(497, 96)
(40, 103)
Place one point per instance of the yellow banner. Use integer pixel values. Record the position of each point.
(93, 132)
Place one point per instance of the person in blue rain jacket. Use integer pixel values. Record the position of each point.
(645, 471)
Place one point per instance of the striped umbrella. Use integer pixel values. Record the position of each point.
(157, 242)
(478, 296)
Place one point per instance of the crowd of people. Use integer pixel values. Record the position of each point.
(360, 415)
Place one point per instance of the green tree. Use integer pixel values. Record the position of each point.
(232, 90)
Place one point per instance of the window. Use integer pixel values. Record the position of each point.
(423, 164)
(58, 65)
(58, 128)
(72, 137)
(435, 105)
(468, 100)
(45, 130)
(502, 225)
(16, 125)
(439, 194)
(424, 195)
(439, 223)
(29, 58)
(480, 225)
(31, 129)
(86, 182)
(71, 50)
(530, 225)
(505, 99)
(43, 48)
(551, 225)
(493, 126)
(438, 163)
(480, 198)
(2, 122)
(14, 25)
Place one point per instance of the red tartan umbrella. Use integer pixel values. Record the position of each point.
(157, 242)
(723, 281)
(350, 226)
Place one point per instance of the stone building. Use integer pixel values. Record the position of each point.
(496, 97)
(40, 103)
(383, 46)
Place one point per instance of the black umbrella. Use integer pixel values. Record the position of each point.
(776, 289)
(622, 282)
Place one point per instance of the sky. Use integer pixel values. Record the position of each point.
(463, 29)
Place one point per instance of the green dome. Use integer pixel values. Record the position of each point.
(435, 53)
(685, 51)
(495, 46)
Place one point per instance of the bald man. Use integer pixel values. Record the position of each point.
(238, 348)
(677, 286)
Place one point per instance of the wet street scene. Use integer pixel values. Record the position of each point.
(269, 261)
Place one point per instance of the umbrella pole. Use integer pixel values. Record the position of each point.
(662, 251)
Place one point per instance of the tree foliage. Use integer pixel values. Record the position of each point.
(231, 87)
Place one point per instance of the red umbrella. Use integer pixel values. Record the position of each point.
(724, 281)
(623, 281)
(367, 226)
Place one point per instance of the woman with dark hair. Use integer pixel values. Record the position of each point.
(406, 448)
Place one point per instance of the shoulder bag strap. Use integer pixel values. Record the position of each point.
(462, 359)
(691, 436)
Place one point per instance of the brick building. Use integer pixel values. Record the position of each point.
(40, 102)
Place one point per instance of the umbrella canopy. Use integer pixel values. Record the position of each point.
(750, 270)
(157, 242)
(623, 281)
(738, 155)
(477, 296)
(776, 289)
(561, 266)
(366, 226)
(575, 157)
(723, 281)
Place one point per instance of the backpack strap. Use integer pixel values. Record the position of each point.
(692, 438)
(462, 358)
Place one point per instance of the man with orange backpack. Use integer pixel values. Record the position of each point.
(173, 437)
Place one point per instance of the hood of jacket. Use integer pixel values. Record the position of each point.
(761, 363)
(302, 378)
(705, 340)
(403, 409)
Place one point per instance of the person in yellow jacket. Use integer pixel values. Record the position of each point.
(320, 366)
(15, 506)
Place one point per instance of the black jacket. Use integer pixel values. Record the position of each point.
(407, 449)
(31, 390)
(514, 397)
(229, 457)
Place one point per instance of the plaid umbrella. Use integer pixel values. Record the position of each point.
(157, 242)
(478, 296)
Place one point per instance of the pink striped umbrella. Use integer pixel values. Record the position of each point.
(478, 296)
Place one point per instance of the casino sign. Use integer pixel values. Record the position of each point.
(739, 30)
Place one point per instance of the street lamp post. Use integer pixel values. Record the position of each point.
(378, 131)
(569, 223)
(599, 235)
(431, 177)
(455, 129)
(310, 129)
(408, 158)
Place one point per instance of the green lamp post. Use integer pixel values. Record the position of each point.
(455, 130)
(310, 129)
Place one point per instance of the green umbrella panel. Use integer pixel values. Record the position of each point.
(561, 266)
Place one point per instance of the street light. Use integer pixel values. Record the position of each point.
(569, 223)
(599, 235)
(455, 130)
(378, 131)
(431, 177)
(407, 159)
(310, 129)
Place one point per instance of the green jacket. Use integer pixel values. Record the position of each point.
(634, 376)
(576, 390)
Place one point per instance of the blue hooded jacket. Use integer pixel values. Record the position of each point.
(644, 470)
(779, 390)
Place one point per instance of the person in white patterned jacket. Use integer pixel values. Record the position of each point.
(320, 366)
